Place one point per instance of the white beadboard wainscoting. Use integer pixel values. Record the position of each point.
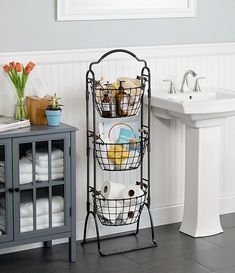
(64, 73)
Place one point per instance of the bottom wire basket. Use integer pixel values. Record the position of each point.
(118, 212)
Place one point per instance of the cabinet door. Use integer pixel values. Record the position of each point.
(6, 218)
(42, 185)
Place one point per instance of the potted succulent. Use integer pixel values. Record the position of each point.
(53, 111)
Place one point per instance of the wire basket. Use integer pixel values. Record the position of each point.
(118, 212)
(120, 156)
(114, 108)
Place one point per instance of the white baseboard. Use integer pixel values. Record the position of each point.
(161, 216)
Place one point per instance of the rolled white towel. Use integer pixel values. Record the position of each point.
(2, 203)
(27, 178)
(39, 227)
(44, 170)
(2, 224)
(42, 155)
(2, 219)
(2, 210)
(57, 163)
(42, 206)
(2, 172)
(26, 166)
(44, 177)
(42, 219)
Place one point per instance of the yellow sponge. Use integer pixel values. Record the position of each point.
(117, 154)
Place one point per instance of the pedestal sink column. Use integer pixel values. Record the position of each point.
(202, 178)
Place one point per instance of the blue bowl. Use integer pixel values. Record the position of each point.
(53, 117)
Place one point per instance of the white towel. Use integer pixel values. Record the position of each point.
(42, 220)
(2, 172)
(44, 170)
(42, 206)
(2, 219)
(2, 203)
(27, 178)
(2, 224)
(26, 166)
(30, 228)
(42, 155)
(44, 177)
(2, 210)
(57, 163)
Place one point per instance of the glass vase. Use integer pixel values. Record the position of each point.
(21, 112)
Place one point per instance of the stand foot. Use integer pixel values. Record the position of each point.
(98, 239)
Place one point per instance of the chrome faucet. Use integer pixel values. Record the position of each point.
(185, 79)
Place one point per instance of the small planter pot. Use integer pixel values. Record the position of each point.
(53, 117)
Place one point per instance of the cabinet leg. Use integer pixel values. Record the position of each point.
(47, 244)
(72, 250)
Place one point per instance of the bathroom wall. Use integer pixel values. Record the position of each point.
(31, 25)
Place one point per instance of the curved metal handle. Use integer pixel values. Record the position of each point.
(172, 87)
(117, 51)
(197, 87)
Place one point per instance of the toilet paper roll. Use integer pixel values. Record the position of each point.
(112, 190)
(128, 214)
(131, 191)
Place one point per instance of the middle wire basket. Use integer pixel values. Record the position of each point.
(121, 156)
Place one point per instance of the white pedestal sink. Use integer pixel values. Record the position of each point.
(203, 113)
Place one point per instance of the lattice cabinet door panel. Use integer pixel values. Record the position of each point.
(6, 225)
(41, 181)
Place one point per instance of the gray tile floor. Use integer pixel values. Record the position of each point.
(176, 253)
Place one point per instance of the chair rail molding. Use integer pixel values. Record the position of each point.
(69, 10)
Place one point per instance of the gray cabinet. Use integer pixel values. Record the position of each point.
(37, 186)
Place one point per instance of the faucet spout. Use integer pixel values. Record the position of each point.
(185, 79)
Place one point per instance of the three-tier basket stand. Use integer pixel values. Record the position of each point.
(107, 211)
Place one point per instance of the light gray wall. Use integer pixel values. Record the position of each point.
(31, 25)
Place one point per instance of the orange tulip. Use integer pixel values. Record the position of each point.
(12, 65)
(30, 66)
(27, 70)
(18, 67)
(6, 68)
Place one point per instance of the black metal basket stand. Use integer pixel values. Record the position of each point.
(118, 212)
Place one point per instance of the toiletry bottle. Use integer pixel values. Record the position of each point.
(106, 106)
(122, 101)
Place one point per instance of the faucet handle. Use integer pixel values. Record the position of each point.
(172, 86)
(197, 87)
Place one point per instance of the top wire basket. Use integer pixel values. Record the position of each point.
(110, 103)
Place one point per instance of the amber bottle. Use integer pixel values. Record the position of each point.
(122, 101)
(106, 106)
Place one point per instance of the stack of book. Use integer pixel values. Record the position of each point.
(9, 124)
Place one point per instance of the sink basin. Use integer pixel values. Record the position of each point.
(201, 105)
(192, 96)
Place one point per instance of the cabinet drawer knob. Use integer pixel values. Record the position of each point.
(10, 190)
(17, 189)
